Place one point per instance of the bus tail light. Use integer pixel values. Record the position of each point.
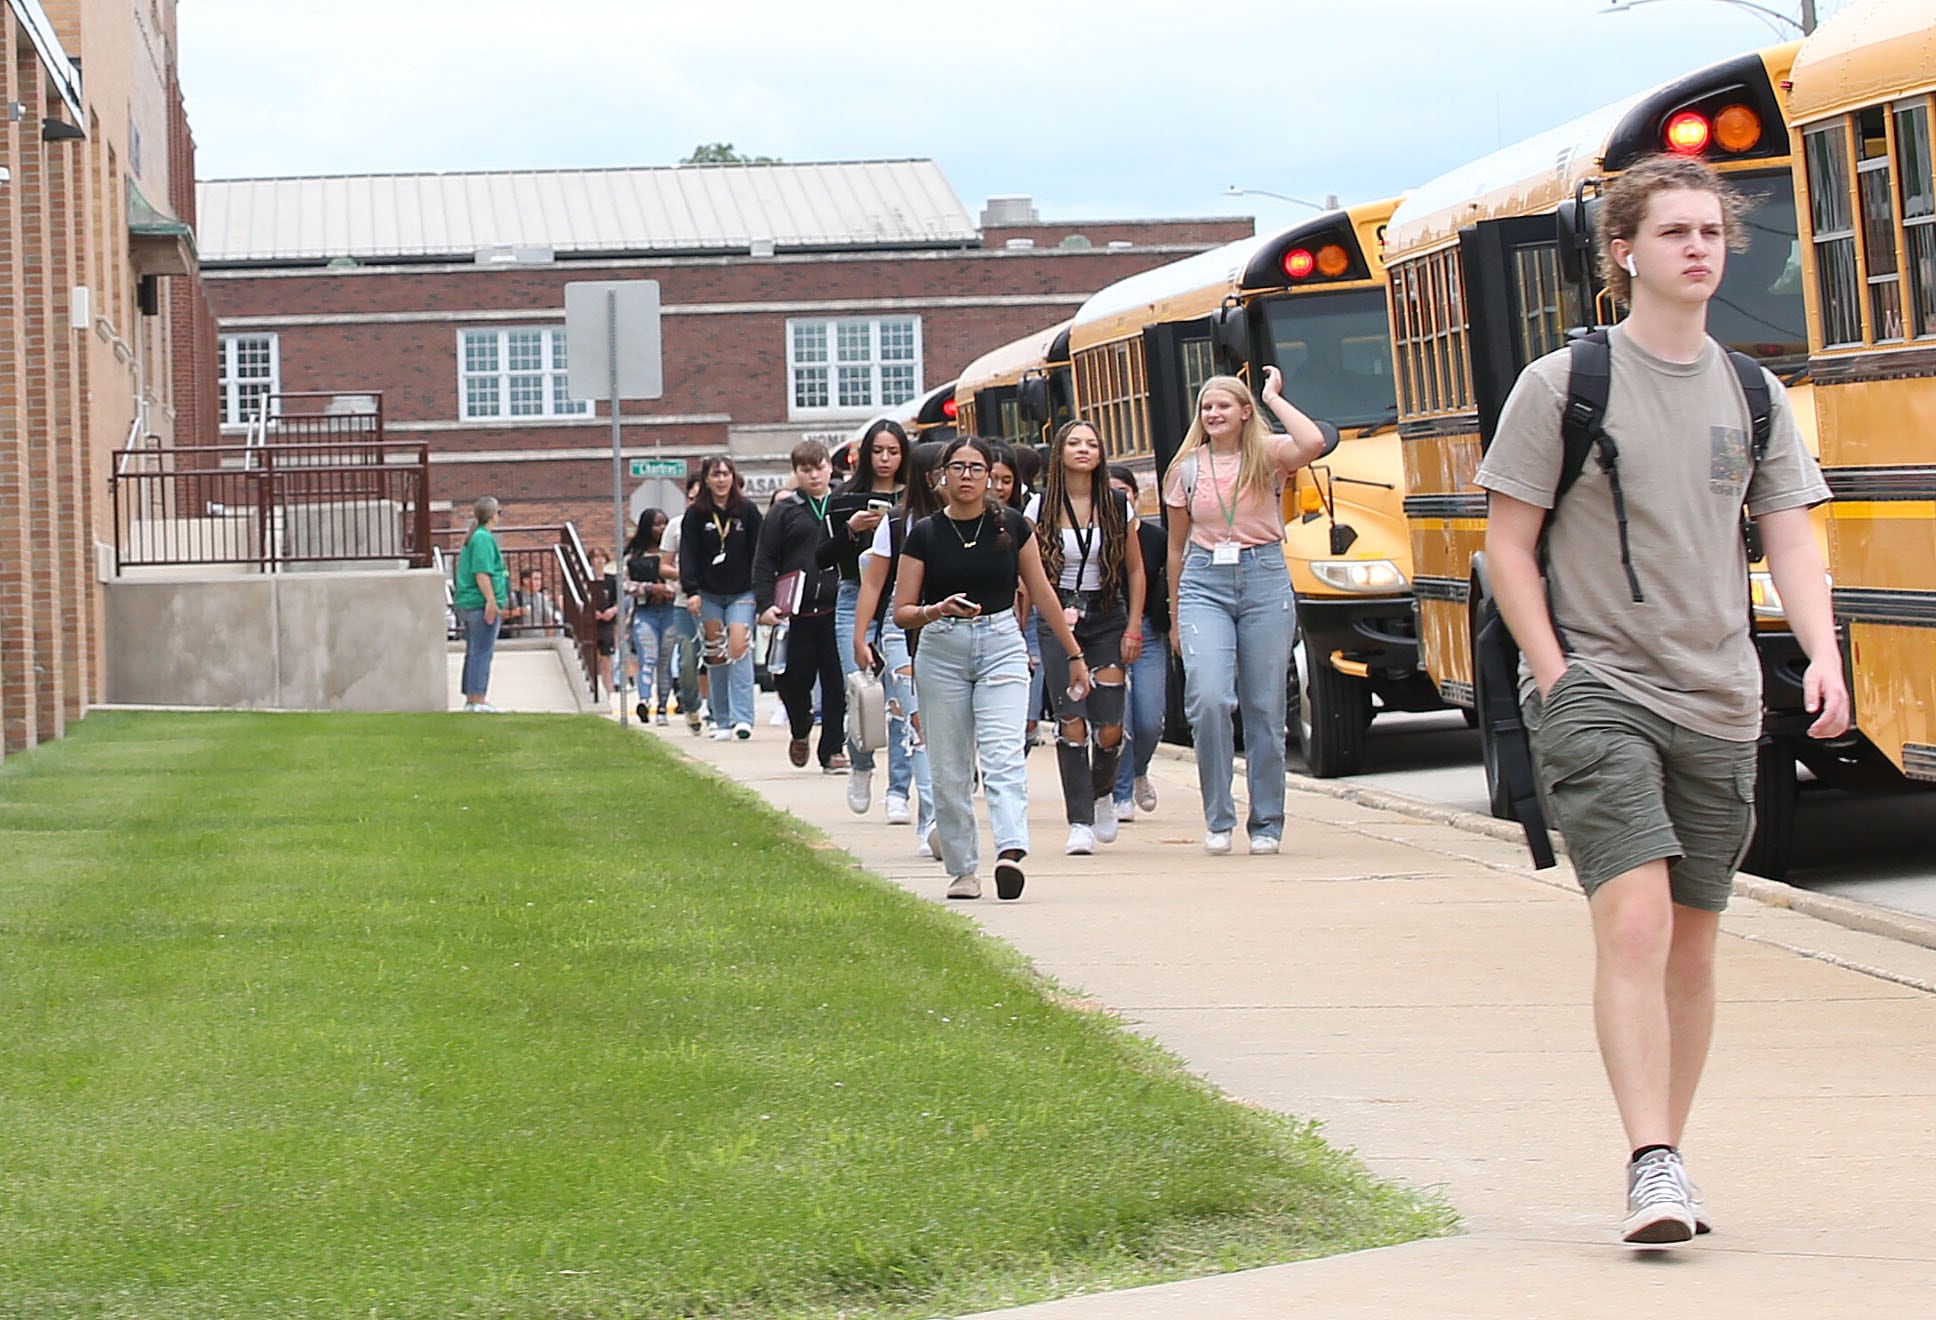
(949, 409)
(1299, 263)
(1333, 261)
(1737, 128)
(1688, 132)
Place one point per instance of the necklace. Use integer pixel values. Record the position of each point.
(980, 520)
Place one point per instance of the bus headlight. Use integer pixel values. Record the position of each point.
(1367, 577)
(1763, 596)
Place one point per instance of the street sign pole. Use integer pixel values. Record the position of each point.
(618, 507)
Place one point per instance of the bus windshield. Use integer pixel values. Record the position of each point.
(1758, 308)
(1335, 352)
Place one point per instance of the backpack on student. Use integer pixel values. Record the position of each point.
(1495, 659)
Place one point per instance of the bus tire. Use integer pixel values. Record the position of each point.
(1498, 800)
(1771, 847)
(1333, 712)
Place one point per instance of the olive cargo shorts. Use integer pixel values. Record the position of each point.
(1625, 786)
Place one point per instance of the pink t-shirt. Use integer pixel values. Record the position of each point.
(1259, 517)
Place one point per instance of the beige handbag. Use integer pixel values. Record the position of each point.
(866, 711)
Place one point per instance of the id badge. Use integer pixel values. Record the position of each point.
(1072, 615)
(1225, 553)
(720, 558)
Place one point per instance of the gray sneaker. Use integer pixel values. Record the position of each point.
(1695, 1201)
(964, 886)
(1658, 1212)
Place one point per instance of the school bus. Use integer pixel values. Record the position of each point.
(1019, 393)
(928, 416)
(1492, 266)
(1310, 300)
(1860, 113)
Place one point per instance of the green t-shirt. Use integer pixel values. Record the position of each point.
(480, 555)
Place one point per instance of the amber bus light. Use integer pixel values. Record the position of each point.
(1737, 128)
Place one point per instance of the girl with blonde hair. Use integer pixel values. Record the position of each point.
(1234, 609)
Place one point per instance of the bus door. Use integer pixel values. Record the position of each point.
(1520, 304)
(1179, 357)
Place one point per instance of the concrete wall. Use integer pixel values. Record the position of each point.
(311, 641)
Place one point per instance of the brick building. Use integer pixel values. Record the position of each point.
(798, 299)
(105, 338)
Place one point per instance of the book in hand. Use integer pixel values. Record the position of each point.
(787, 590)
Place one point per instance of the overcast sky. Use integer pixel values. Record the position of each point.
(1096, 108)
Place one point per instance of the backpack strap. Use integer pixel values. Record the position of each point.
(1761, 418)
(1583, 430)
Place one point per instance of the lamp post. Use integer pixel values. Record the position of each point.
(1805, 24)
(1330, 199)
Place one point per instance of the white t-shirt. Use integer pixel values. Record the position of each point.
(1078, 574)
(883, 544)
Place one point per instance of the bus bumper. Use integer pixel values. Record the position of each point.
(1378, 632)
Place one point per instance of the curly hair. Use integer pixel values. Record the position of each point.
(1623, 206)
(1110, 516)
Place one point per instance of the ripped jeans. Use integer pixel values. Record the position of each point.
(1087, 759)
(1235, 622)
(973, 679)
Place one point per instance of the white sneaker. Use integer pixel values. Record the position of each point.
(1145, 794)
(897, 810)
(860, 791)
(930, 845)
(778, 719)
(1264, 845)
(1125, 812)
(1217, 842)
(722, 734)
(1082, 841)
(742, 731)
(1105, 820)
(964, 886)
(1658, 1212)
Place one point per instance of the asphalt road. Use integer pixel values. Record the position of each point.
(1870, 848)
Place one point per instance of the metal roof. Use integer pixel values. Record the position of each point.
(682, 208)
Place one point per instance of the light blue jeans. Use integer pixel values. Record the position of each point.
(973, 679)
(653, 640)
(1148, 678)
(685, 630)
(480, 643)
(730, 684)
(1235, 621)
(904, 744)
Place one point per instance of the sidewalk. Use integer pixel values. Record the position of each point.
(1420, 992)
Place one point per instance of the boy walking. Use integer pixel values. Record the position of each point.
(1640, 684)
(790, 542)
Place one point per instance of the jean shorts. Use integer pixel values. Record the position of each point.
(1625, 786)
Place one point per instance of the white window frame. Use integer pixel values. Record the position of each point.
(873, 364)
(554, 404)
(229, 384)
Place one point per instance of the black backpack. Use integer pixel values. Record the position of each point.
(1495, 653)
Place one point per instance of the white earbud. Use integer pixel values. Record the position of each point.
(1631, 268)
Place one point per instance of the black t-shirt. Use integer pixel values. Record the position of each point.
(981, 571)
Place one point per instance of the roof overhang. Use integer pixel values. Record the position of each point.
(158, 243)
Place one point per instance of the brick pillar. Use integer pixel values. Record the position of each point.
(73, 548)
(45, 446)
(18, 723)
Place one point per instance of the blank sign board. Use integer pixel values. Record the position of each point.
(591, 309)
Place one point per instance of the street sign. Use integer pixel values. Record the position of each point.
(659, 467)
(604, 317)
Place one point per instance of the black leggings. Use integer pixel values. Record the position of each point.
(812, 653)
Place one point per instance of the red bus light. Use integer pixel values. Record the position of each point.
(1299, 263)
(1688, 133)
(1737, 128)
(948, 409)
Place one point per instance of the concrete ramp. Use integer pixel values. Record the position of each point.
(535, 676)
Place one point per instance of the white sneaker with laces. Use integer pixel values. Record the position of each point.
(1658, 1213)
(1264, 845)
(897, 809)
(1145, 794)
(1125, 812)
(964, 886)
(860, 791)
(1217, 842)
(1082, 841)
(1105, 819)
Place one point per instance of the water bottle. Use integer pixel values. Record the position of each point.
(776, 649)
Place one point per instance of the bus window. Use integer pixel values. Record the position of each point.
(1199, 365)
(1918, 214)
(1758, 308)
(1335, 352)
(1548, 306)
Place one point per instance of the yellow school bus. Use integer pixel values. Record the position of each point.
(1310, 300)
(1860, 110)
(1020, 392)
(1492, 265)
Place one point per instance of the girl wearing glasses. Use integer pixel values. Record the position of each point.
(717, 538)
(958, 575)
(1090, 554)
(1234, 611)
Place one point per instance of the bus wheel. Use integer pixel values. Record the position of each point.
(1777, 797)
(1333, 712)
(1498, 799)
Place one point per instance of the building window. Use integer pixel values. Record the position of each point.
(247, 373)
(853, 365)
(514, 373)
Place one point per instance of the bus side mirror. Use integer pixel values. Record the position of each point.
(1573, 225)
(1032, 396)
(1230, 336)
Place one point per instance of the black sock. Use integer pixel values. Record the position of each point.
(1648, 1150)
(1012, 855)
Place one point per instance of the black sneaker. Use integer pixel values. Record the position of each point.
(1008, 876)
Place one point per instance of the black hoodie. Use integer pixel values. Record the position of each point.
(790, 540)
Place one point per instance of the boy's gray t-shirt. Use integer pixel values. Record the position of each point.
(1683, 433)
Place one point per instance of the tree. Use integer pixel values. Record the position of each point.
(1783, 21)
(722, 153)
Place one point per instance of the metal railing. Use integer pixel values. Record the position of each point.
(554, 590)
(279, 506)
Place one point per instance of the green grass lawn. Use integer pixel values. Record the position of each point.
(435, 1016)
